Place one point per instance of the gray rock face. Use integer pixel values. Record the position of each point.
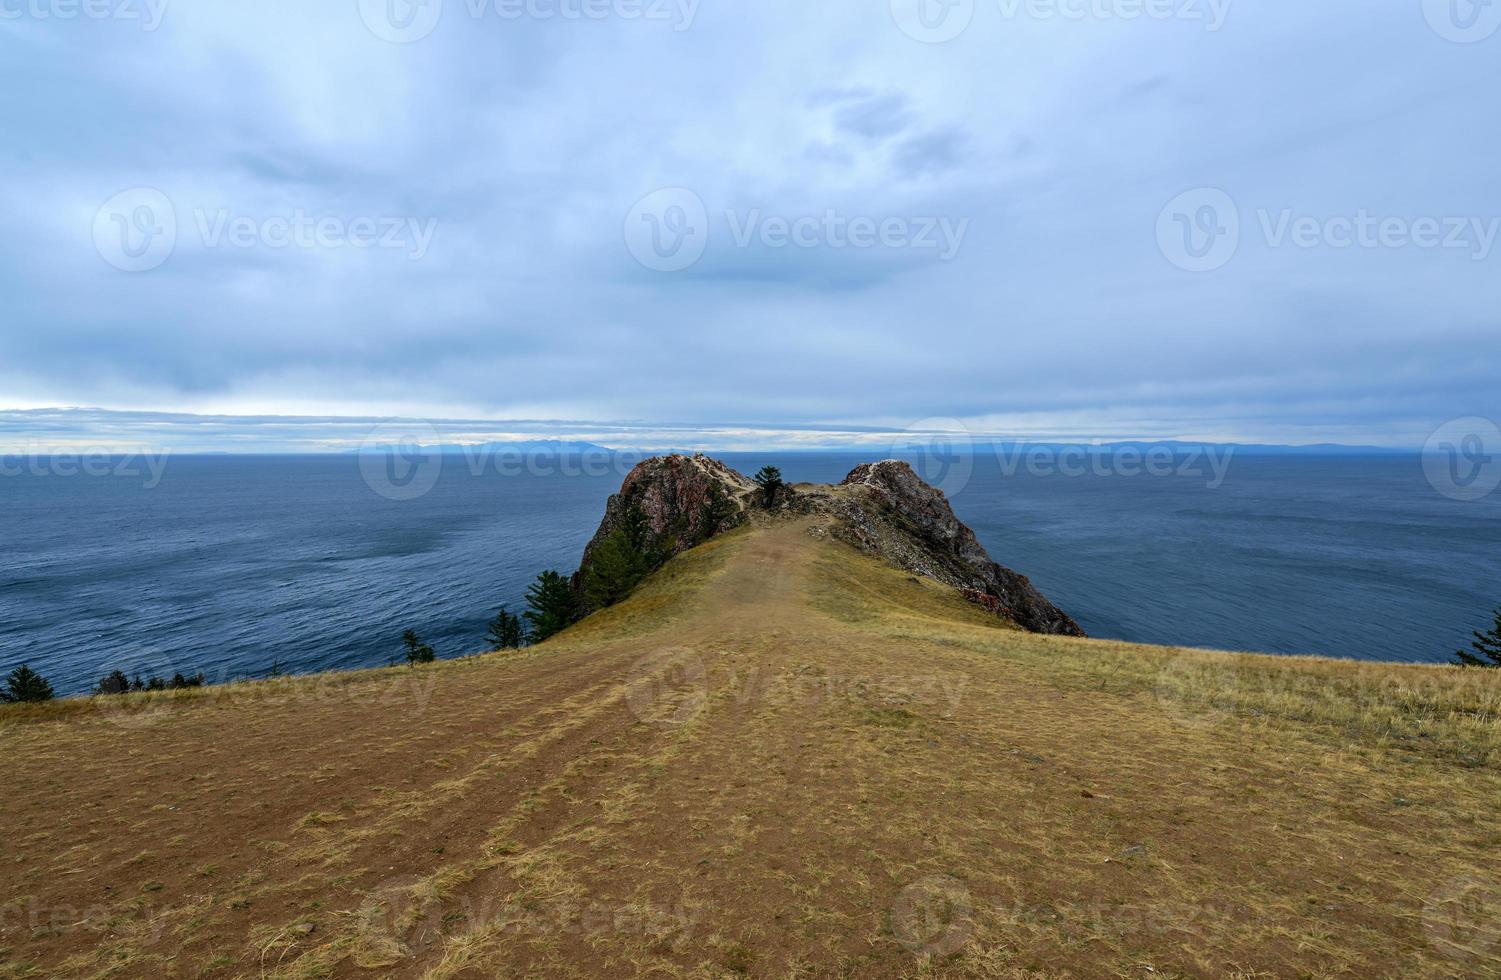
(685, 500)
(888, 510)
(882, 508)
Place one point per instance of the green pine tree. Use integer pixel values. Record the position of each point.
(1487, 646)
(616, 566)
(619, 562)
(769, 479)
(417, 651)
(550, 606)
(25, 685)
(506, 631)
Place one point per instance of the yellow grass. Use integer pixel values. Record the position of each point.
(779, 759)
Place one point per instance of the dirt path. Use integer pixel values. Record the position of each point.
(779, 759)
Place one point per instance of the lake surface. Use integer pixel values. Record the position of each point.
(228, 565)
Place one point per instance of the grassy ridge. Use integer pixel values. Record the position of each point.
(779, 758)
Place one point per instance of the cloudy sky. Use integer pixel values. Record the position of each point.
(1260, 221)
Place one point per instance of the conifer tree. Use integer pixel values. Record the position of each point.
(1487, 647)
(25, 685)
(550, 607)
(506, 631)
(769, 479)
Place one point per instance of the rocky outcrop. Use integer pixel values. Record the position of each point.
(888, 510)
(882, 508)
(684, 500)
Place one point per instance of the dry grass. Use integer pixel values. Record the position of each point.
(779, 759)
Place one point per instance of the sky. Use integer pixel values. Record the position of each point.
(737, 224)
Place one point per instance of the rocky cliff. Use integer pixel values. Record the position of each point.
(882, 508)
(886, 509)
(682, 501)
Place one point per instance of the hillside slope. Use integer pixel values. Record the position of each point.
(780, 758)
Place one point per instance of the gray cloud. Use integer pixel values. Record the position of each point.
(528, 141)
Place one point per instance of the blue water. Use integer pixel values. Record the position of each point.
(231, 564)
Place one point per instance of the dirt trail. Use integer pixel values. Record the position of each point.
(779, 759)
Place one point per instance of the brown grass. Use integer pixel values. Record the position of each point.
(779, 759)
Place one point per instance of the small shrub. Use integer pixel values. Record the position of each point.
(115, 682)
(417, 652)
